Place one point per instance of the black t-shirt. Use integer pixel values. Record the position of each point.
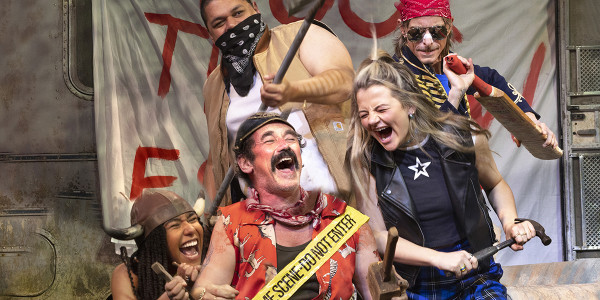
(422, 173)
(310, 289)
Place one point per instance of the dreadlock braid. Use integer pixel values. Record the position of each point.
(128, 265)
(150, 285)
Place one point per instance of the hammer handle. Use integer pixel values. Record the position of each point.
(160, 270)
(291, 53)
(287, 60)
(222, 190)
(489, 251)
(388, 256)
(285, 64)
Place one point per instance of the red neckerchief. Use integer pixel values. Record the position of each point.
(288, 216)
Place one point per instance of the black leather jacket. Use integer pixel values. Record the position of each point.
(470, 209)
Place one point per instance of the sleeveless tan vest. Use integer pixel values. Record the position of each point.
(324, 120)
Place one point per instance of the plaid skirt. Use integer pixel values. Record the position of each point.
(432, 283)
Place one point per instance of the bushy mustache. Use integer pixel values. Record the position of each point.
(283, 154)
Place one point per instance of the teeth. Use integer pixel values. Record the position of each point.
(190, 244)
(380, 129)
(285, 159)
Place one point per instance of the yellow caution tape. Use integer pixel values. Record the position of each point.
(318, 251)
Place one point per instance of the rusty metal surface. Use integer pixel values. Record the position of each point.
(574, 291)
(51, 242)
(38, 113)
(579, 279)
(578, 41)
(568, 272)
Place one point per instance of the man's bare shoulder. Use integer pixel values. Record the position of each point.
(316, 28)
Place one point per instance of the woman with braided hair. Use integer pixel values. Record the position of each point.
(172, 234)
(420, 170)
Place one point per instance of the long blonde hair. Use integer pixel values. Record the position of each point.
(381, 69)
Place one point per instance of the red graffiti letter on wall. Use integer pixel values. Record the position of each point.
(363, 28)
(174, 25)
(535, 68)
(139, 181)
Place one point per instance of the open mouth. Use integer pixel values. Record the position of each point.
(190, 248)
(285, 161)
(383, 133)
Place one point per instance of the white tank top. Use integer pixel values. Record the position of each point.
(315, 174)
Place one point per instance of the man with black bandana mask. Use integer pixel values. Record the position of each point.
(315, 89)
(237, 47)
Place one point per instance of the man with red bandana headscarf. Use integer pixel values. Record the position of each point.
(425, 35)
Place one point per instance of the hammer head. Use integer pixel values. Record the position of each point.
(295, 6)
(539, 231)
(381, 289)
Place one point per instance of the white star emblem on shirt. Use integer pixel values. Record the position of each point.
(420, 168)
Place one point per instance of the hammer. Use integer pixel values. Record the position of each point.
(160, 270)
(382, 282)
(489, 251)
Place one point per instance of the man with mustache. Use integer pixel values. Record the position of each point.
(316, 85)
(425, 34)
(256, 238)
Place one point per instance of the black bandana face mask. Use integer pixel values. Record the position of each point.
(237, 46)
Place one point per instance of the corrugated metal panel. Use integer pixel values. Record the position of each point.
(51, 242)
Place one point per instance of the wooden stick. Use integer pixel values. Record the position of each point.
(388, 256)
(502, 107)
(160, 270)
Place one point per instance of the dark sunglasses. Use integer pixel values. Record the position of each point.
(415, 34)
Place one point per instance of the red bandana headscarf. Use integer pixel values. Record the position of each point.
(419, 8)
(289, 216)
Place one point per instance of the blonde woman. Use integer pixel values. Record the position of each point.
(420, 170)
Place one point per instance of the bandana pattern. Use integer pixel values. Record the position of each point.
(418, 8)
(238, 45)
(287, 216)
